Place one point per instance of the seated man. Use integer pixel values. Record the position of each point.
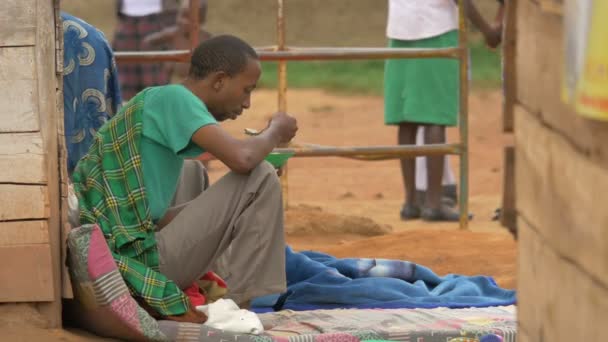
(127, 180)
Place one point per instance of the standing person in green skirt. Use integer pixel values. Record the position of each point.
(425, 92)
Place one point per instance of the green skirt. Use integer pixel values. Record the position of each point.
(424, 91)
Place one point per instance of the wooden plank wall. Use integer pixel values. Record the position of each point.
(561, 189)
(29, 173)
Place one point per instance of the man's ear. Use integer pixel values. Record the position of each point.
(218, 79)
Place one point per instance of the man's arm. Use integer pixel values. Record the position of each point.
(495, 39)
(476, 17)
(491, 35)
(243, 155)
(163, 37)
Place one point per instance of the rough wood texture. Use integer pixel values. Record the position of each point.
(17, 63)
(47, 15)
(557, 301)
(22, 158)
(26, 274)
(19, 106)
(23, 232)
(563, 194)
(18, 23)
(538, 73)
(20, 202)
(522, 335)
(18, 81)
(552, 6)
(561, 185)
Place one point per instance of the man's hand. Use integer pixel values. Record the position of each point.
(286, 126)
(243, 155)
(191, 316)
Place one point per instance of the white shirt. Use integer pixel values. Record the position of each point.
(140, 8)
(419, 19)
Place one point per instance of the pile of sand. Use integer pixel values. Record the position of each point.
(304, 220)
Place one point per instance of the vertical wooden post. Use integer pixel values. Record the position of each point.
(463, 118)
(282, 74)
(48, 116)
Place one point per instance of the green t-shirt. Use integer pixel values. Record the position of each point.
(172, 114)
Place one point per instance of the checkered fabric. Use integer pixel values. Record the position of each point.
(109, 184)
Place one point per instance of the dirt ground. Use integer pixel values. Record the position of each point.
(351, 208)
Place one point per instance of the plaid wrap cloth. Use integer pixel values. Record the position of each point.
(109, 184)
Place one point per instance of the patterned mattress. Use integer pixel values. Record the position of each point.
(104, 306)
(420, 325)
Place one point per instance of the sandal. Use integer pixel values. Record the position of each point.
(409, 212)
(443, 213)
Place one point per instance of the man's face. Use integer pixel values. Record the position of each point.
(233, 94)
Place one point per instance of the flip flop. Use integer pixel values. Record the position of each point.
(410, 212)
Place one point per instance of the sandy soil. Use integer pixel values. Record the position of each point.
(350, 208)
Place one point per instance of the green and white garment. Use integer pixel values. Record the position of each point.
(110, 188)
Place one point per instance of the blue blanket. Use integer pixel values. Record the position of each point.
(320, 281)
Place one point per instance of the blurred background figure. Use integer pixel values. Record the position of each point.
(136, 20)
(424, 94)
(177, 37)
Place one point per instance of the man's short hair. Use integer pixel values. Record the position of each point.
(221, 53)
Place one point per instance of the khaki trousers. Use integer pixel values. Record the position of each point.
(234, 228)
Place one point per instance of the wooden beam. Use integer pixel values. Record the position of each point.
(18, 23)
(562, 193)
(539, 65)
(26, 274)
(48, 78)
(22, 158)
(19, 202)
(552, 290)
(23, 232)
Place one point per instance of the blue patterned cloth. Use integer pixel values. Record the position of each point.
(91, 92)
